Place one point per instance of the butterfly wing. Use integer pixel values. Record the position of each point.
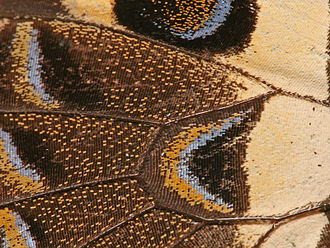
(112, 139)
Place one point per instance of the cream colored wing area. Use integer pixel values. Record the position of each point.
(95, 11)
(289, 46)
(288, 156)
(248, 235)
(302, 233)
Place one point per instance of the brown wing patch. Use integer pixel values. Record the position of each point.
(79, 149)
(325, 236)
(69, 218)
(70, 158)
(166, 228)
(31, 8)
(196, 165)
(128, 77)
(221, 236)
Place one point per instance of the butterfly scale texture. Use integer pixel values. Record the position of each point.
(164, 123)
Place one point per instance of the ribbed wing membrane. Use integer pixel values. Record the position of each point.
(109, 138)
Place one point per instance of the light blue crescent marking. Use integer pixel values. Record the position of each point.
(34, 68)
(15, 159)
(183, 168)
(221, 11)
(24, 230)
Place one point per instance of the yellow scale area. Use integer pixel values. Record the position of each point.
(172, 158)
(12, 233)
(98, 11)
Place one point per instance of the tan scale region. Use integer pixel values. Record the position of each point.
(288, 156)
(99, 11)
(249, 234)
(302, 233)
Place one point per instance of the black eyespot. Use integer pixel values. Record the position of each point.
(216, 25)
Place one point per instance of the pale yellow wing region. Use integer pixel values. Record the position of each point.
(248, 235)
(302, 233)
(288, 49)
(288, 156)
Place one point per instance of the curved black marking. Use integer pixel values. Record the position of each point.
(225, 25)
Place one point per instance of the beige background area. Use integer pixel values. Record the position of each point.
(288, 156)
(300, 233)
(288, 48)
(249, 234)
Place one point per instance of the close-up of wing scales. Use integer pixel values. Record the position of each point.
(164, 123)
